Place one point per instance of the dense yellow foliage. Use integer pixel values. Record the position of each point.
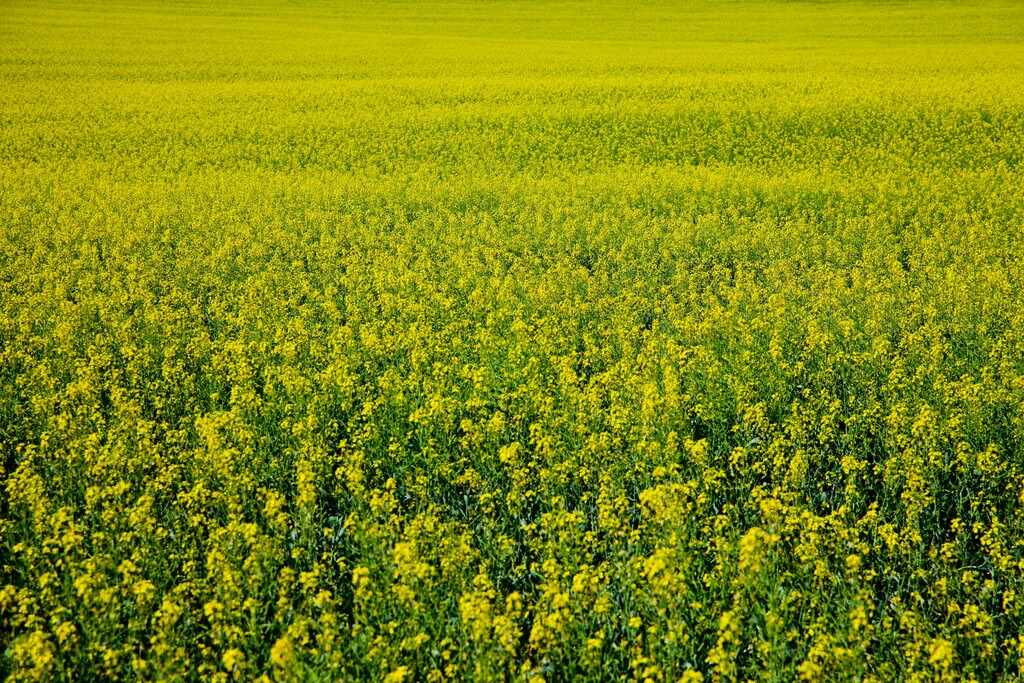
(545, 341)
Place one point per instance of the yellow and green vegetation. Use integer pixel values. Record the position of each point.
(525, 341)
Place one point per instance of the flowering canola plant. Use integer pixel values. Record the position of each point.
(520, 341)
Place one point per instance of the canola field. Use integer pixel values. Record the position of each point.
(512, 341)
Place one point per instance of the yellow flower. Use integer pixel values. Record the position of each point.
(398, 675)
(282, 654)
(233, 658)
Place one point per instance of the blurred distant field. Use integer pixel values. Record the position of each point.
(547, 341)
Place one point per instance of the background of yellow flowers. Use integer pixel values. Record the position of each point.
(528, 340)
